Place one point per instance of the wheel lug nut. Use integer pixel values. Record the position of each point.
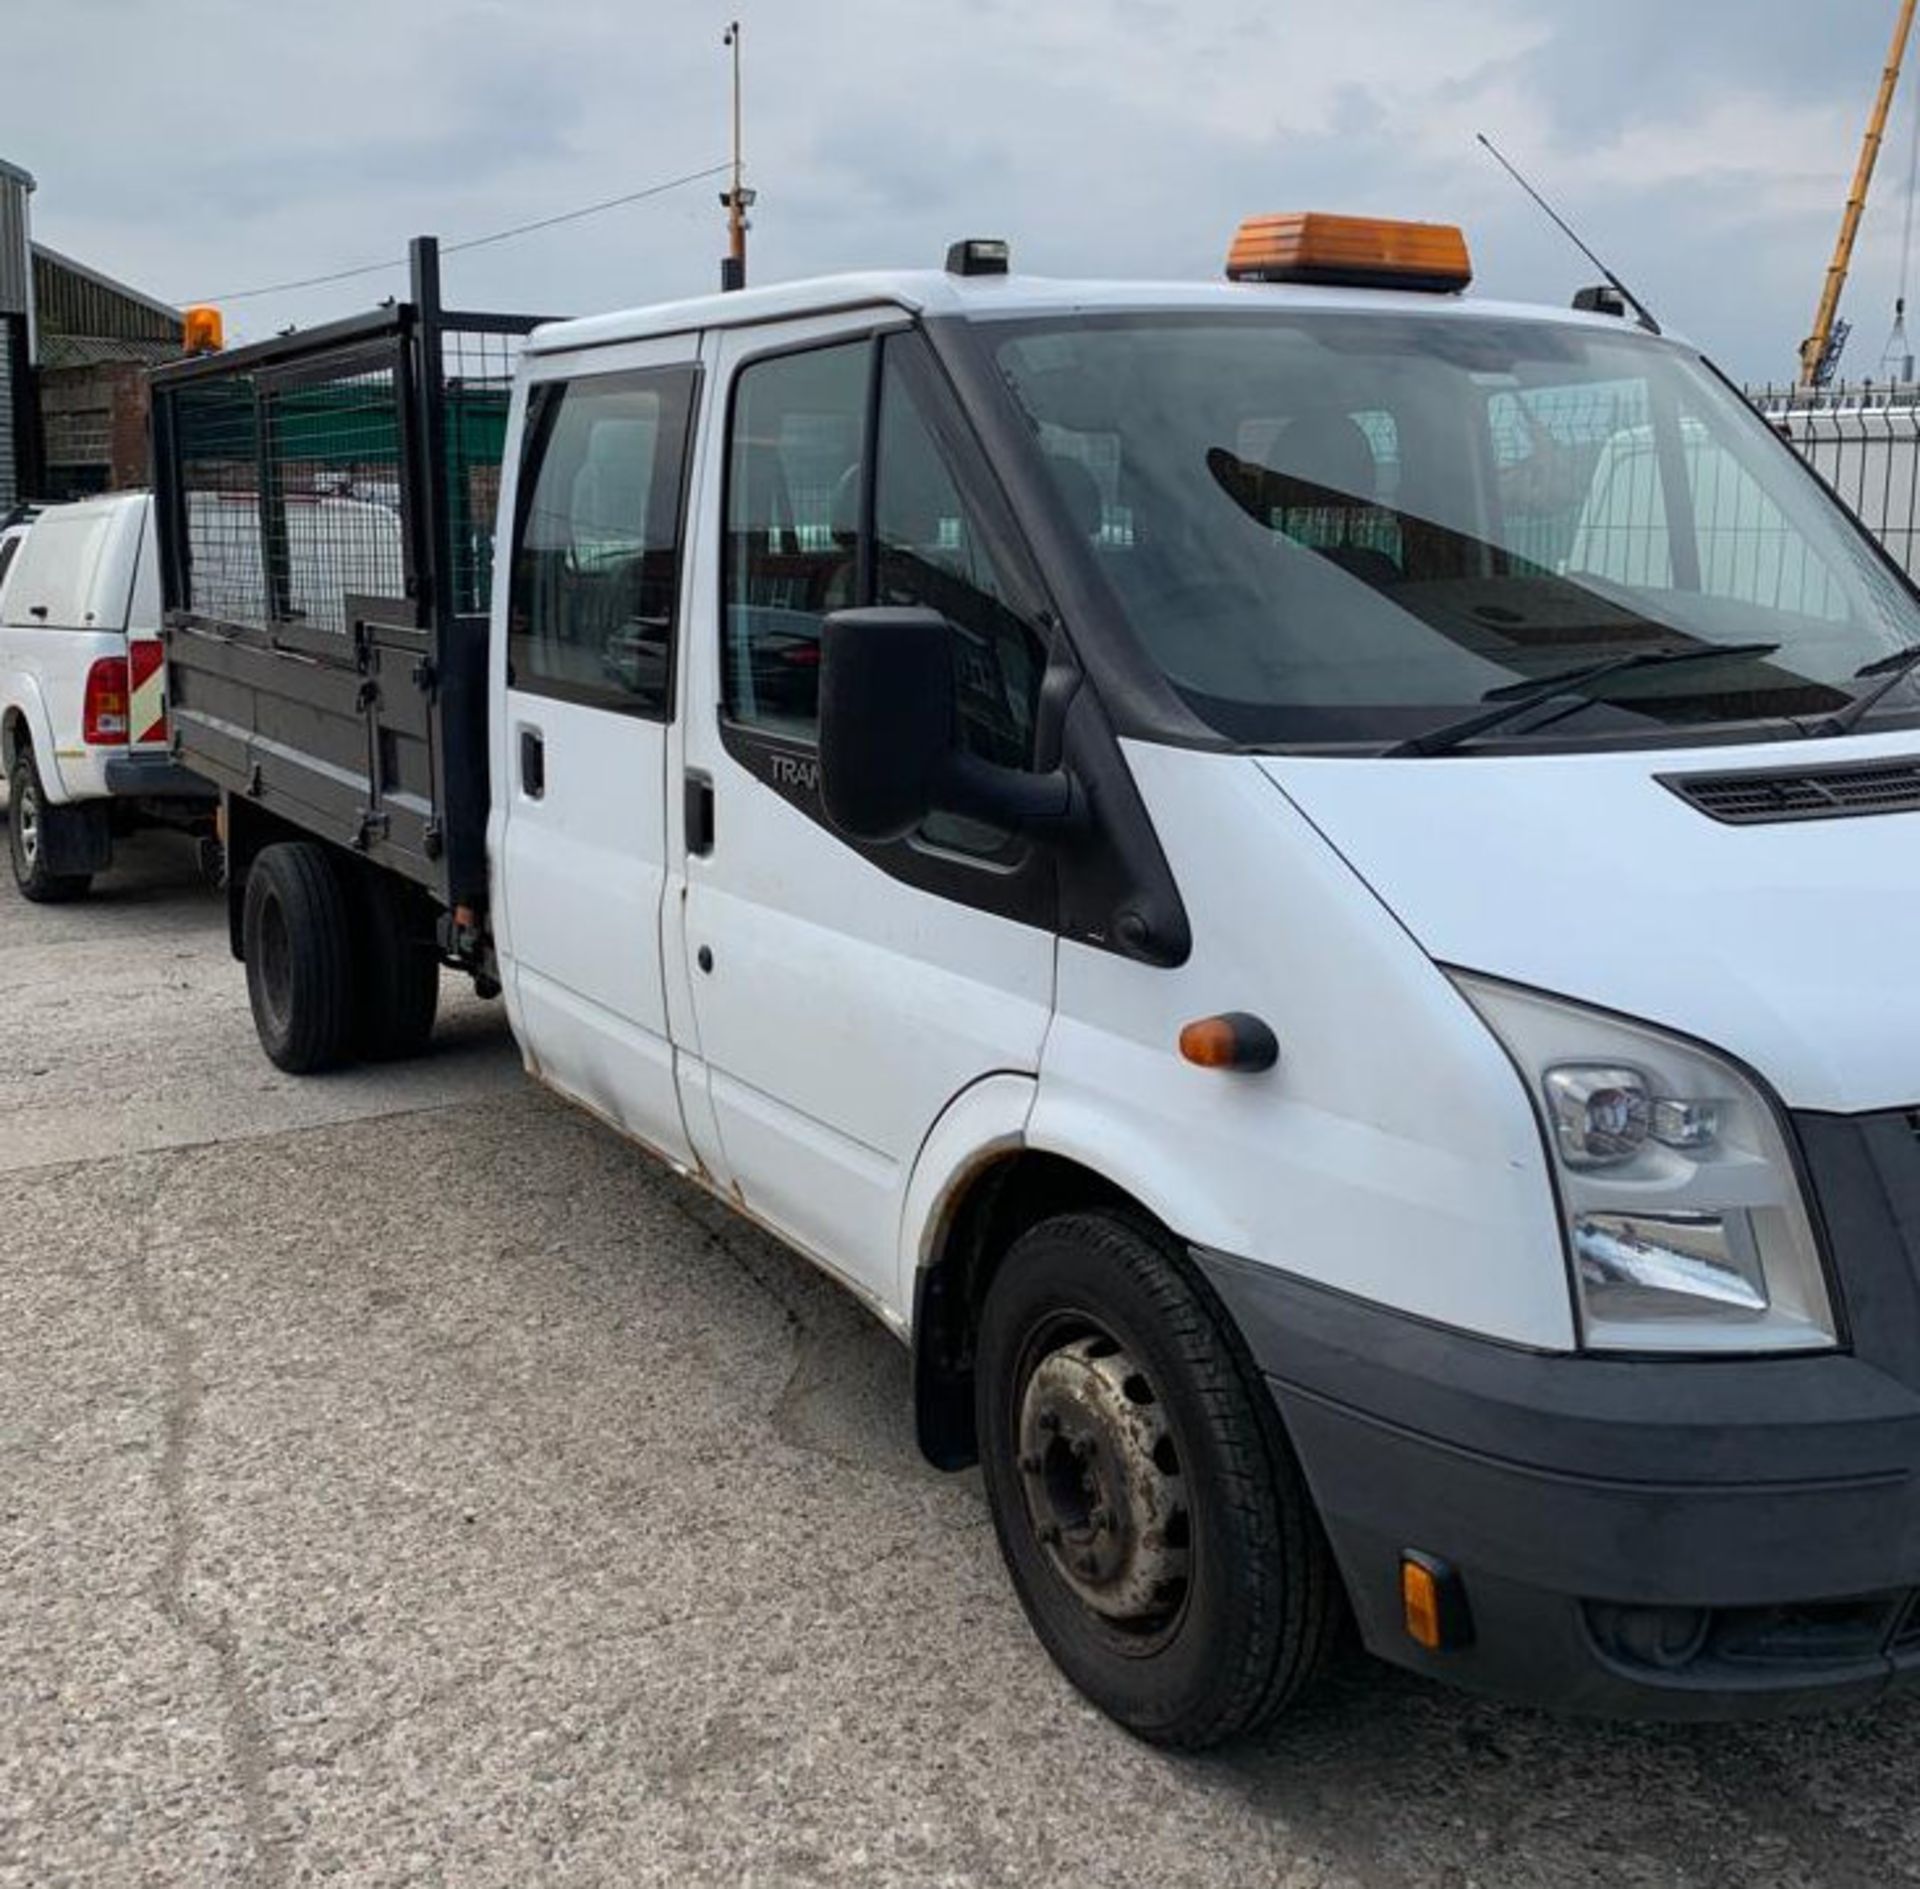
(1029, 1465)
(1088, 1564)
(1050, 1422)
(1101, 1518)
(1050, 1534)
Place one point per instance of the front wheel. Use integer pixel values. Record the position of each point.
(29, 818)
(1153, 1518)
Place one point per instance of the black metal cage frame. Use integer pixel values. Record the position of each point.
(372, 733)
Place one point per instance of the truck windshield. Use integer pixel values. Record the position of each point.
(1355, 529)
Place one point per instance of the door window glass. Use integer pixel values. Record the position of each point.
(596, 568)
(793, 529)
(800, 545)
(930, 549)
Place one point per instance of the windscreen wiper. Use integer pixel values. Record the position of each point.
(1513, 701)
(1894, 669)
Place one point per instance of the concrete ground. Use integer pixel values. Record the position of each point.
(403, 1481)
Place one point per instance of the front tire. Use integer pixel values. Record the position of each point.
(297, 942)
(28, 825)
(1154, 1520)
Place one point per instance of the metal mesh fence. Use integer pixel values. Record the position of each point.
(1575, 470)
(477, 372)
(294, 495)
(218, 436)
(1865, 442)
(333, 451)
(297, 491)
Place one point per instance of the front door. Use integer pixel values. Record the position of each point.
(842, 996)
(590, 629)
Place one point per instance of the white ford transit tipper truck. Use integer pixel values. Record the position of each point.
(1300, 880)
(83, 715)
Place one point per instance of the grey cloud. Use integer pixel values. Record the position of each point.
(235, 142)
(1632, 61)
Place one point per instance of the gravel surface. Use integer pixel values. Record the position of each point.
(404, 1481)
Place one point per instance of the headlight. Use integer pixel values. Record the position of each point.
(1684, 1217)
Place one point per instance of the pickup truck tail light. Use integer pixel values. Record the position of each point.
(103, 717)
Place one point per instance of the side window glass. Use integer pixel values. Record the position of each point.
(930, 549)
(6, 557)
(793, 529)
(596, 564)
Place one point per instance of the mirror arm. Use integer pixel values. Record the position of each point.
(1009, 796)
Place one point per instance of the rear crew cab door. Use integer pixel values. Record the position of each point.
(586, 623)
(840, 997)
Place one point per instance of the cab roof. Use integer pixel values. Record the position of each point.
(935, 292)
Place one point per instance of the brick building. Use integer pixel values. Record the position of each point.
(97, 339)
(75, 347)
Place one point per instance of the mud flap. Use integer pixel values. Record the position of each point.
(77, 840)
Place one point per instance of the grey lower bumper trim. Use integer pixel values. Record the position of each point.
(161, 779)
(1555, 1483)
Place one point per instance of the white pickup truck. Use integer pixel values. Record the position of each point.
(83, 722)
(1296, 878)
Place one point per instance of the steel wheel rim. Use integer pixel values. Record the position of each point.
(27, 824)
(1103, 1488)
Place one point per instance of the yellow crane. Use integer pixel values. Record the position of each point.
(1820, 352)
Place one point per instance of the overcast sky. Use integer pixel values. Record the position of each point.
(199, 147)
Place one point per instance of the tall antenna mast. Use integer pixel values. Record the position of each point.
(733, 267)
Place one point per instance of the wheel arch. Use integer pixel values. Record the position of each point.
(246, 831)
(997, 1197)
(24, 723)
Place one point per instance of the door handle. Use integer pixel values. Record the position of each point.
(533, 764)
(699, 814)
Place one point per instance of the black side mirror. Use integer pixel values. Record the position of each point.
(886, 718)
(887, 752)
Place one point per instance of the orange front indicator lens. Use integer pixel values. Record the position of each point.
(1433, 1604)
(1234, 1040)
(1420, 1602)
(1351, 252)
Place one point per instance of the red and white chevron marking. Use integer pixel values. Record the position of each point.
(147, 710)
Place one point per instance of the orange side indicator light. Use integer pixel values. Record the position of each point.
(1420, 1601)
(1233, 1040)
(1351, 252)
(1433, 1604)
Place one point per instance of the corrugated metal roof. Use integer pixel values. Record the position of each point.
(75, 300)
(95, 350)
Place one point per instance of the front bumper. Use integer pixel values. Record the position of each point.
(1658, 1539)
